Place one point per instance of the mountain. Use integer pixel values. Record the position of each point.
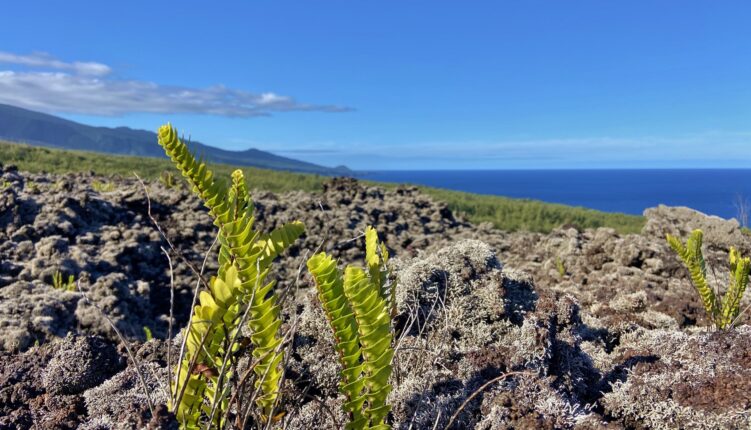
(36, 128)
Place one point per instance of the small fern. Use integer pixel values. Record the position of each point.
(103, 187)
(560, 267)
(739, 272)
(357, 308)
(147, 333)
(61, 284)
(245, 256)
(32, 187)
(167, 179)
(722, 311)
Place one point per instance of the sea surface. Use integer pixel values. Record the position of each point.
(712, 191)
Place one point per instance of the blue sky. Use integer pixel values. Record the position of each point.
(401, 84)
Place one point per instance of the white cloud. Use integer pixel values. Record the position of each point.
(46, 61)
(51, 85)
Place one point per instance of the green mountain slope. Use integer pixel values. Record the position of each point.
(35, 128)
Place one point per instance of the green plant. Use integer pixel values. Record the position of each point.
(7, 184)
(722, 311)
(59, 284)
(560, 267)
(167, 179)
(239, 293)
(147, 333)
(32, 187)
(103, 187)
(359, 308)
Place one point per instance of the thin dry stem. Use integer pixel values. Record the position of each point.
(192, 267)
(171, 315)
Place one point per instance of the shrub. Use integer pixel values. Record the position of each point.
(722, 311)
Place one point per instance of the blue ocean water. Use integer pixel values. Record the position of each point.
(712, 191)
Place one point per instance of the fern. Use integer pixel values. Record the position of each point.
(103, 187)
(60, 284)
(560, 266)
(693, 259)
(739, 272)
(357, 308)
(245, 257)
(167, 179)
(721, 311)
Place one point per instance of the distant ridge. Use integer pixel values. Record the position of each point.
(40, 129)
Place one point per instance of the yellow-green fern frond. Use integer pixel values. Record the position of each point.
(374, 325)
(280, 239)
(328, 281)
(692, 258)
(213, 193)
(357, 308)
(207, 338)
(245, 257)
(739, 273)
(721, 311)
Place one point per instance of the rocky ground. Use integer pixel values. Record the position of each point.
(572, 329)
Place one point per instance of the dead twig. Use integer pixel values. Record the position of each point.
(171, 313)
(166, 238)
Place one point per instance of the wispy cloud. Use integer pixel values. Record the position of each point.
(44, 60)
(48, 84)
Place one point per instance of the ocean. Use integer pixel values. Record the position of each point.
(712, 191)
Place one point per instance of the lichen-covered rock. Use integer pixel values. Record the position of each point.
(586, 329)
(462, 322)
(684, 380)
(33, 312)
(122, 399)
(81, 362)
(680, 221)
